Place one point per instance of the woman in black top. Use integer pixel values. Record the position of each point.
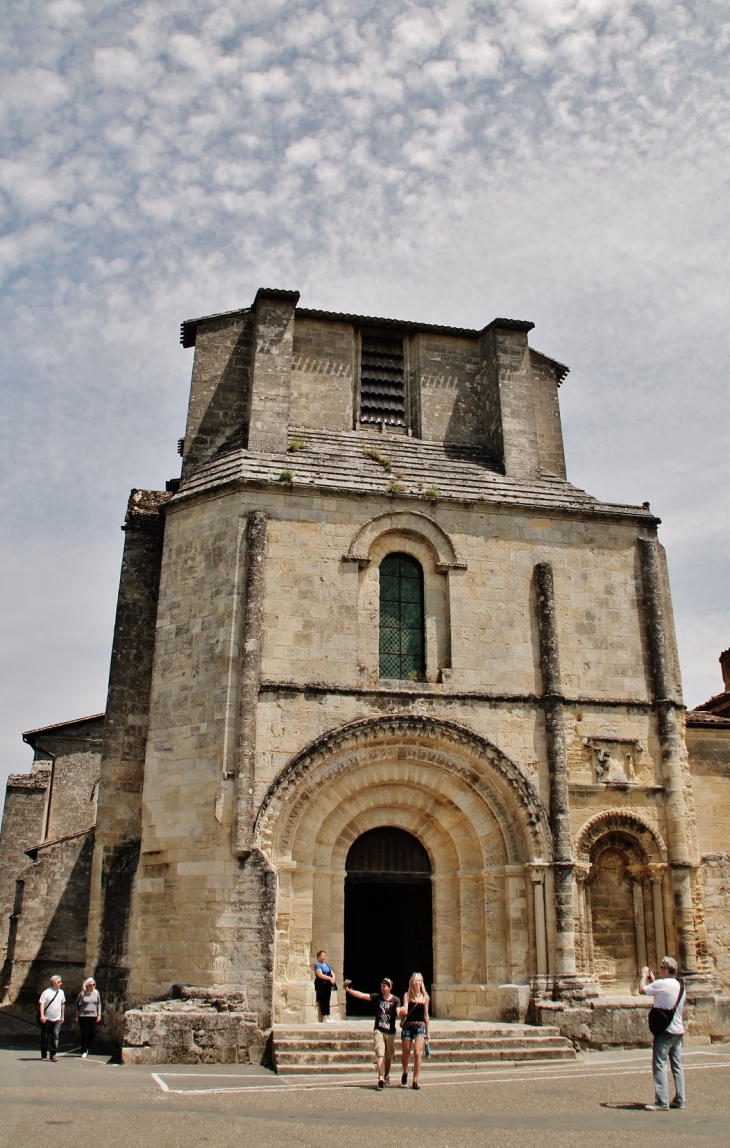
(416, 1027)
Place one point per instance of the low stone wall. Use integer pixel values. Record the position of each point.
(481, 1002)
(204, 1028)
(622, 1022)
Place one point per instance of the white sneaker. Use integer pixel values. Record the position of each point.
(330, 1020)
(84, 1055)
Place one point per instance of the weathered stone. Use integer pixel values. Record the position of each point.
(250, 739)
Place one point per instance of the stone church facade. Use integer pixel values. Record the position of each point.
(384, 682)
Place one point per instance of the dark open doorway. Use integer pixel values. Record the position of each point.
(388, 917)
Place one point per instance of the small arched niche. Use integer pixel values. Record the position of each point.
(621, 900)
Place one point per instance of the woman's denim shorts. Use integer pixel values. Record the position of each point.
(412, 1030)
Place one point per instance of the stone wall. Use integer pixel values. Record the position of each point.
(450, 391)
(314, 681)
(44, 810)
(323, 377)
(547, 412)
(22, 827)
(123, 752)
(708, 744)
(48, 933)
(259, 371)
(220, 389)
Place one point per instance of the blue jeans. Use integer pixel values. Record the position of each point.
(50, 1032)
(667, 1045)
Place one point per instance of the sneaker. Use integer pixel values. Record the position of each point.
(330, 1019)
(381, 1083)
(677, 1104)
(656, 1108)
(404, 1080)
(84, 1055)
(44, 1056)
(416, 1086)
(54, 1058)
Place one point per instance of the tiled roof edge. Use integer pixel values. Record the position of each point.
(61, 725)
(189, 328)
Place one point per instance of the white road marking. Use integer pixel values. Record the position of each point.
(441, 1083)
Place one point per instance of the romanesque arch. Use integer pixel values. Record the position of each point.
(478, 817)
(404, 522)
(623, 897)
(419, 536)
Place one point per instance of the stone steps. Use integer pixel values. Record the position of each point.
(309, 1049)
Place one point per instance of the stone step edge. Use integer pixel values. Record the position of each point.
(436, 1045)
(443, 1057)
(464, 1066)
(343, 1032)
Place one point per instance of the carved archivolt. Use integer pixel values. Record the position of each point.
(627, 824)
(451, 767)
(405, 522)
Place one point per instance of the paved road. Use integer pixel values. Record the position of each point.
(594, 1102)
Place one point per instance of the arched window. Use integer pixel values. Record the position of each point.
(401, 618)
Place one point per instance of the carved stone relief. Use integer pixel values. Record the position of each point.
(615, 760)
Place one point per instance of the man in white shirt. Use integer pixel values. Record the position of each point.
(666, 993)
(52, 1011)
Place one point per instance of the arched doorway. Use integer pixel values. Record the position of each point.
(388, 912)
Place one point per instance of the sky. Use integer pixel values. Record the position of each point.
(564, 161)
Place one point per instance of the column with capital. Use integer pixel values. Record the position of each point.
(636, 875)
(582, 873)
(537, 875)
(656, 877)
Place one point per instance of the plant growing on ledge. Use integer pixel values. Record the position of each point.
(394, 487)
(286, 475)
(373, 453)
(296, 444)
(431, 492)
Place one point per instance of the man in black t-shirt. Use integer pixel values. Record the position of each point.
(385, 1005)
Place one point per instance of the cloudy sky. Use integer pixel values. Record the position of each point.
(564, 161)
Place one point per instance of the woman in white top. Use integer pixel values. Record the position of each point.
(666, 993)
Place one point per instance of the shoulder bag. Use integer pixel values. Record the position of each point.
(38, 1009)
(661, 1018)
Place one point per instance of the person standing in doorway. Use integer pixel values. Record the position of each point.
(51, 1014)
(667, 995)
(324, 982)
(386, 1009)
(416, 1028)
(88, 1014)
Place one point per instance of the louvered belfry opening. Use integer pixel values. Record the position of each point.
(382, 382)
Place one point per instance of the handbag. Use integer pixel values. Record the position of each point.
(661, 1018)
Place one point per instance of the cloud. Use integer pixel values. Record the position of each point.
(559, 160)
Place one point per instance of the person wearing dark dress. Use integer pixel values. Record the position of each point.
(324, 982)
(386, 1009)
(88, 1014)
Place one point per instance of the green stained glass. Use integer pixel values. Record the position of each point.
(401, 618)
